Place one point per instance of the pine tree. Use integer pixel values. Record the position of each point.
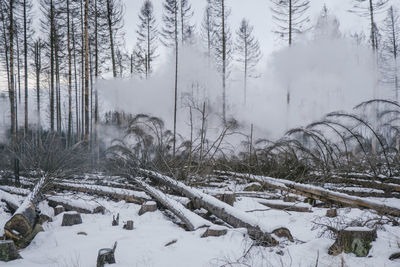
(290, 17)
(248, 51)
(222, 44)
(146, 47)
(207, 27)
(186, 14)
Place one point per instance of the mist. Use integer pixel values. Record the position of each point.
(323, 74)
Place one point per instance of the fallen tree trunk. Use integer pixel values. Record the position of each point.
(189, 218)
(129, 196)
(21, 227)
(225, 212)
(285, 207)
(11, 201)
(81, 206)
(320, 193)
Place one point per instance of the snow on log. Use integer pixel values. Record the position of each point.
(79, 205)
(12, 201)
(189, 218)
(238, 219)
(21, 227)
(323, 194)
(285, 206)
(129, 196)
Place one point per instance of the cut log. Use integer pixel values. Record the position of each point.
(118, 194)
(355, 240)
(225, 212)
(128, 225)
(21, 225)
(58, 210)
(319, 193)
(213, 231)
(149, 206)
(81, 206)
(8, 251)
(285, 207)
(106, 256)
(191, 220)
(394, 256)
(71, 218)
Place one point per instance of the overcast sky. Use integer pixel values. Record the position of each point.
(259, 14)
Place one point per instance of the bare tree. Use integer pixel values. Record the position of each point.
(207, 27)
(248, 52)
(186, 13)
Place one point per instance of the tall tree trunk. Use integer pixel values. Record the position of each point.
(12, 89)
(69, 134)
(110, 30)
(51, 66)
(26, 69)
(96, 74)
(75, 82)
(38, 69)
(176, 74)
(223, 64)
(86, 72)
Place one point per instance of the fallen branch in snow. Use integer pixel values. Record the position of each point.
(320, 193)
(227, 213)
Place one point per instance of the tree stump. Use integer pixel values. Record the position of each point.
(128, 225)
(115, 221)
(72, 218)
(331, 213)
(214, 232)
(8, 251)
(283, 233)
(106, 255)
(355, 240)
(58, 209)
(149, 206)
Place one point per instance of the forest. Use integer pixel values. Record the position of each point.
(199, 133)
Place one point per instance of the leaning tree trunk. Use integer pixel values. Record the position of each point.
(22, 226)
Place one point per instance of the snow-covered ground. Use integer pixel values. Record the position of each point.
(145, 245)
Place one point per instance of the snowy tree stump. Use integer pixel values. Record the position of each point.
(214, 232)
(115, 221)
(355, 240)
(70, 219)
(58, 209)
(331, 213)
(128, 225)
(106, 255)
(8, 251)
(149, 206)
(283, 233)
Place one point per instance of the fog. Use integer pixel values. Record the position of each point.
(323, 74)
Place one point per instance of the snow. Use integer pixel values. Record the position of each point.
(108, 189)
(75, 202)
